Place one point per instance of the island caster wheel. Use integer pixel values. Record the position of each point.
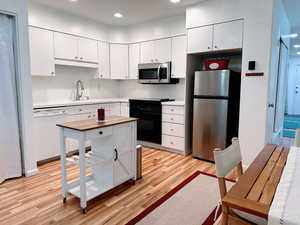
(65, 200)
(84, 210)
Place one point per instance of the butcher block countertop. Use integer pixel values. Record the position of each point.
(84, 125)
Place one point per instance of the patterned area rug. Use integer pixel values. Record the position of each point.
(193, 202)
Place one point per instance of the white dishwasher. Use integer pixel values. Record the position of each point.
(45, 132)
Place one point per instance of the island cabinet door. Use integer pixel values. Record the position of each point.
(123, 166)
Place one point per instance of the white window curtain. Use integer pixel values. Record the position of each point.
(10, 151)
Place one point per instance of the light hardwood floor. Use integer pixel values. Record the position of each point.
(37, 199)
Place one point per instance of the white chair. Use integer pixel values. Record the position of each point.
(297, 138)
(225, 161)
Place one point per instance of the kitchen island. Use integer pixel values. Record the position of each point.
(112, 158)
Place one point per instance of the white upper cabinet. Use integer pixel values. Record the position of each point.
(200, 39)
(179, 49)
(65, 46)
(147, 52)
(163, 50)
(156, 51)
(41, 52)
(223, 36)
(228, 35)
(104, 67)
(119, 61)
(69, 47)
(88, 50)
(134, 60)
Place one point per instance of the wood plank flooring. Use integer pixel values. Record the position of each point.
(37, 200)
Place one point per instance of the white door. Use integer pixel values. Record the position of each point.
(119, 61)
(228, 35)
(163, 50)
(134, 60)
(41, 52)
(296, 101)
(200, 39)
(123, 168)
(277, 97)
(65, 46)
(147, 52)
(87, 50)
(104, 66)
(179, 45)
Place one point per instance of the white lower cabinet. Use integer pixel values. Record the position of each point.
(173, 129)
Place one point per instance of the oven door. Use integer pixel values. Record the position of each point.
(149, 121)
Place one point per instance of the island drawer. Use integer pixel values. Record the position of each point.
(100, 132)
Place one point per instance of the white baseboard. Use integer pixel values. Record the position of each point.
(30, 173)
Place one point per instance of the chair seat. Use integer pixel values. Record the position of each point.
(249, 217)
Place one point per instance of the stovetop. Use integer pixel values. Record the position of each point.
(153, 99)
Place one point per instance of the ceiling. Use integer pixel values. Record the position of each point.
(293, 9)
(134, 11)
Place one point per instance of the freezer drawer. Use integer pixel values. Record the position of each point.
(209, 126)
(212, 83)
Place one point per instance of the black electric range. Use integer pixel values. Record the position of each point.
(149, 113)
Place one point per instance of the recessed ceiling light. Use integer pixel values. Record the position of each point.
(296, 46)
(298, 53)
(290, 36)
(73, 0)
(118, 15)
(175, 1)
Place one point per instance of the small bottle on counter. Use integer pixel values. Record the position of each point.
(101, 115)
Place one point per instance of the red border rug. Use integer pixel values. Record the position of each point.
(209, 220)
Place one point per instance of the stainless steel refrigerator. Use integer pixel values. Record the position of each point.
(216, 111)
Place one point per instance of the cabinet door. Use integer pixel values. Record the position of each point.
(124, 153)
(134, 60)
(87, 50)
(179, 57)
(163, 50)
(228, 35)
(147, 52)
(104, 67)
(200, 39)
(41, 52)
(65, 46)
(119, 61)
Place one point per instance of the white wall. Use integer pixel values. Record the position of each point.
(19, 8)
(62, 87)
(257, 17)
(132, 89)
(48, 18)
(157, 29)
(280, 27)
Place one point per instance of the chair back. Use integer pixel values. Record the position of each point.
(228, 159)
(297, 138)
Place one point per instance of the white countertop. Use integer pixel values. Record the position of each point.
(177, 103)
(83, 102)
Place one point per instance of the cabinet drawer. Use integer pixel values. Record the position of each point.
(173, 110)
(173, 129)
(173, 118)
(173, 142)
(97, 133)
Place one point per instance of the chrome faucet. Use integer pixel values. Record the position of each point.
(79, 90)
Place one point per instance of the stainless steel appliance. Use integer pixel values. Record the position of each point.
(216, 111)
(155, 73)
(149, 113)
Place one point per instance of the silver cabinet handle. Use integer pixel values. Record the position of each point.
(52, 73)
(208, 47)
(271, 105)
(76, 57)
(81, 58)
(216, 46)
